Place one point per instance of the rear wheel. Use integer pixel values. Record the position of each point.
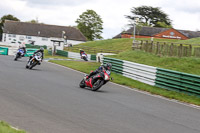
(97, 85)
(82, 83)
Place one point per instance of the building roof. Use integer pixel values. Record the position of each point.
(151, 31)
(42, 30)
(147, 31)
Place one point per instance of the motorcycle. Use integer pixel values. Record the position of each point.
(19, 54)
(84, 56)
(35, 60)
(97, 81)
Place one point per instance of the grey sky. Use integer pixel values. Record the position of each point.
(46, 3)
(185, 14)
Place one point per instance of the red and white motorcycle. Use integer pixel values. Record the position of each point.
(84, 56)
(95, 82)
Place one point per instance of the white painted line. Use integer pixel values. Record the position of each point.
(140, 91)
(14, 128)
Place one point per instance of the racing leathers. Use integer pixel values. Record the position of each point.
(100, 69)
(41, 51)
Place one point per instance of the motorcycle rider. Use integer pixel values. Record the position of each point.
(81, 52)
(41, 50)
(23, 47)
(107, 66)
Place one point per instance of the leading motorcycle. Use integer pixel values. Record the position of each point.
(97, 81)
(20, 53)
(35, 60)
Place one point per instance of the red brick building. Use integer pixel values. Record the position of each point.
(163, 33)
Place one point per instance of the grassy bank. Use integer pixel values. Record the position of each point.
(86, 67)
(187, 65)
(123, 44)
(195, 41)
(5, 128)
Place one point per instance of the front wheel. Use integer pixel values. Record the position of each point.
(33, 64)
(16, 57)
(82, 83)
(97, 85)
(27, 66)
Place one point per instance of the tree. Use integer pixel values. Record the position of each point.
(2, 21)
(162, 24)
(33, 21)
(90, 24)
(150, 16)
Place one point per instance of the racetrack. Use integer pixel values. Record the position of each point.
(48, 99)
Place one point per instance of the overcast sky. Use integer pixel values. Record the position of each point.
(185, 14)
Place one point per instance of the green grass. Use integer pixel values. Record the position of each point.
(194, 41)
(114, 44)
(186, 64)
(86, 67)
(5, 128)
(123, 44)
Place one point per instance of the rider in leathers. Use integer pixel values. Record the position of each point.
(41, 50)
(108, 66)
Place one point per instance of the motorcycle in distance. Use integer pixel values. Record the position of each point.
(19, 54)
(84, 56)
(35, 60)
(97, 81)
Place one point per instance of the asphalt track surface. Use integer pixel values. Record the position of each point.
(48, 99)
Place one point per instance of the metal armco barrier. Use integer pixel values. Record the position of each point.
(140, 72)
(30, 52)
(93, 57)
(163, 78)
(62, 53)
(12, 50)
(117, 65)
(178, 81)
(73, 54)
(3, 51)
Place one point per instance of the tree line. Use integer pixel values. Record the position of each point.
(91, 24)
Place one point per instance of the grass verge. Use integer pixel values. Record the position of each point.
(6, 128)
(86, 67)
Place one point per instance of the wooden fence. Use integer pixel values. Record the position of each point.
(168, 49)
(91, 50)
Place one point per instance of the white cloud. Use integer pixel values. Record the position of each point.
(185, 14)
(45, 3)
